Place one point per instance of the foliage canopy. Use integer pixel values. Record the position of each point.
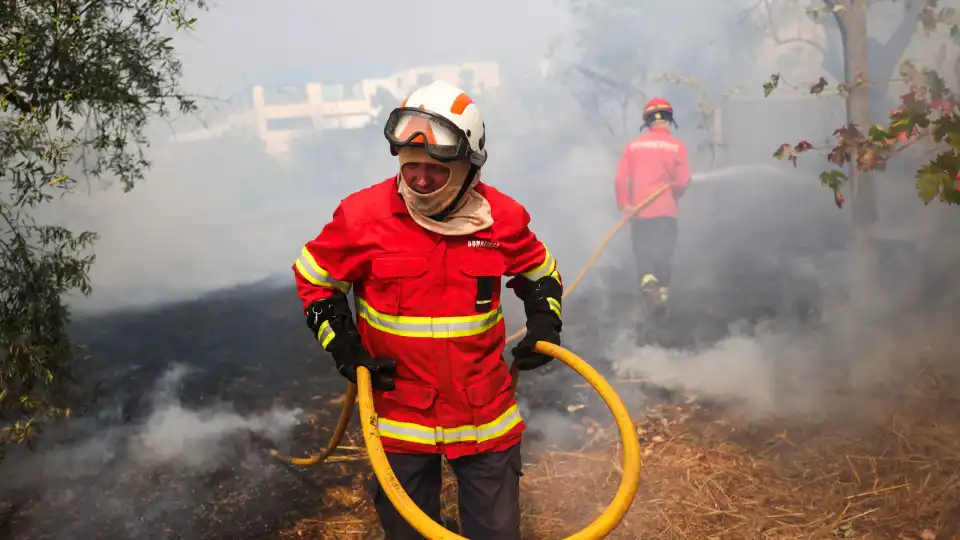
(80, 80)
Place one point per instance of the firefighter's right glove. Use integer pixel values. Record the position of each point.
(542, 305)
(332, 324)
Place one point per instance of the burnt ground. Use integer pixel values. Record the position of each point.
(249, 348)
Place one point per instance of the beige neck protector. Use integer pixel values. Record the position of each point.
(473, 211)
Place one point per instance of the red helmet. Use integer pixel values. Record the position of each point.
(657, 109)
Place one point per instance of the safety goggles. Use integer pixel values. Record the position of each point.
(441, 138)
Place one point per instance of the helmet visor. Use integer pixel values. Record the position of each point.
(442, 140)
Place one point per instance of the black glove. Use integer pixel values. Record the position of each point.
(331, 322)
(542, 305)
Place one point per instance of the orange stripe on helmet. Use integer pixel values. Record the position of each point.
(418, 124)
(460, 104)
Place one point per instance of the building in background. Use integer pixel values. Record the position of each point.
(279, 114)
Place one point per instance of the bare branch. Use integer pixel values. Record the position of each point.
(902, 36)
(621, 87)
(774, 35)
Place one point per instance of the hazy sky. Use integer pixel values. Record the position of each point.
(212, 215)
(238, 39)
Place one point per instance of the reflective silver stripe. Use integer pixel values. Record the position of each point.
(416, 434)
(311, 271)
(673, 147)
(429, 327)
(326, 334)
(406, 431)
(545, 268)
(555, 306)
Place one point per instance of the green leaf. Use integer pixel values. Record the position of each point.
(779, 153)
(834, 179)
(771, 84)
(929, 184)
(953, 139)
(878, 133)
(947, 128)
(818, 88)
(935, 83)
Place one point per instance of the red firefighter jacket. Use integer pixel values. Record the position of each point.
(649, 162)
(431, 303)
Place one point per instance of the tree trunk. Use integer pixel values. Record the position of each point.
(863, 279)
(853, 30)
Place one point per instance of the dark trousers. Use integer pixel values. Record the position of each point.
(654, 240)
(489, 497)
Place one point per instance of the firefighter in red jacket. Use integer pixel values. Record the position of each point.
(654, 159)
(423, 253)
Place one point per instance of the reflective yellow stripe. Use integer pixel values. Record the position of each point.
(416, 433)
(555, 306)
(311, 271)
(429, 327)
(325, 335)
(545, 268)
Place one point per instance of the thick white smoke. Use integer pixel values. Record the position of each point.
(131, 473)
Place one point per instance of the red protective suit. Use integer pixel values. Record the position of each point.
(432, 304)
(650, 161)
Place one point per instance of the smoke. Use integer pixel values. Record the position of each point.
(738, 367)
(144, 476)
(825, 337)
(774, 310)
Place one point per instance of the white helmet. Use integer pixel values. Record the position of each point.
(443, 120)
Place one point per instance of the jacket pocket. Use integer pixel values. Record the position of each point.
(487, 391)
(482, 277)
(412, 394)
(391, 284)
(477, 265)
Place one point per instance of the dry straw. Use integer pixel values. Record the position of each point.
(708, 477)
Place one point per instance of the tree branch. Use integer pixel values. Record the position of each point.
(829, 51)
(623, 88)
(11, 93)
(893, 49)
(776, 38)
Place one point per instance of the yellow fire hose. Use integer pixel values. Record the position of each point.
(430, 529)
(600, 528)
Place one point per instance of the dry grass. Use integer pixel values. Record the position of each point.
(706, 476)
(699, 484)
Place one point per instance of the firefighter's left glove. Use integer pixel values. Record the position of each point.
(542, 305)
(332, 324)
